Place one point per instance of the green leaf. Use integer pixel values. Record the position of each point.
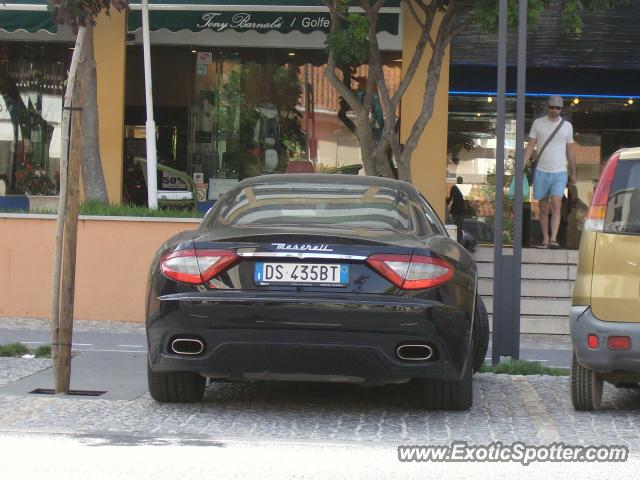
(350, 43)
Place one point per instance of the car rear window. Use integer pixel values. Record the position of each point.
(623, 208)
(352, 205)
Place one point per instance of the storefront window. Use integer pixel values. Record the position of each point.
(471, 163)
(245, 120)
(31, 89)
(238, 113)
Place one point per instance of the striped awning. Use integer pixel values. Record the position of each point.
(28, 15)
(281, 16)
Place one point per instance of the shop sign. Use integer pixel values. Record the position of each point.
(264, 22)
(205, 58)
(170, 181)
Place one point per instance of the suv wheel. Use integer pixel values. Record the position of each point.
(449, 395)
(586, 387)
(175, 387)
(480, 334)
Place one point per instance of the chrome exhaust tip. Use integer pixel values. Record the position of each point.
(414, 352)
(187, 346)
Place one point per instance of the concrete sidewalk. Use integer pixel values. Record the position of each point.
(120, 375)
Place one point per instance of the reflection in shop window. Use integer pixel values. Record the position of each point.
(472, 154)
(31, 88)
(238, 113)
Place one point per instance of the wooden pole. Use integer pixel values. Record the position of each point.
(62, 203)
(70, 240)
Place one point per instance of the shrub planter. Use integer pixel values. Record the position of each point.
(43, 202)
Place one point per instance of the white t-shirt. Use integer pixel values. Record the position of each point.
(554, 157)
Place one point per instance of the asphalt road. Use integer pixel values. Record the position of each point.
(82, 341)
(136, 343)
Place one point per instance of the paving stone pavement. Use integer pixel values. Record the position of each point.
(13, 369)
(534, 409)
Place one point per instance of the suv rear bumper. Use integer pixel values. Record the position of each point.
(583, 322)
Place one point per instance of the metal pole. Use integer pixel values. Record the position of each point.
(519, 173)
(498, 317)
(150, 133)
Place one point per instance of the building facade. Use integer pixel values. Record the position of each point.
(239, 90)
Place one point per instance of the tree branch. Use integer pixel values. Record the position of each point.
(330, 73)
(456, 29)
(414, 14)
(433, 79)
(425, 35)
(368, 8)
(423, 5)
(333, 10)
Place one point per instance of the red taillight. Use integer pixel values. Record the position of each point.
(411, 272)
(196, 266)
(598, 208)
(592, 341)
(618, 343)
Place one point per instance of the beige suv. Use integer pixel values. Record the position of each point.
(605, 311)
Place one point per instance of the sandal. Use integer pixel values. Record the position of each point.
(542, 245)
(554, 245)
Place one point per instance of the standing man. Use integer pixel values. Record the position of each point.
(554, 138)
(455, 202)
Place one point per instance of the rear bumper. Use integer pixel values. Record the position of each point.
(248, 336)
(602, 360)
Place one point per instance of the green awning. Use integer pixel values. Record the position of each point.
(27, 15)
(243, 15)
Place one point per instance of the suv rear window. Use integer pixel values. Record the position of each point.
(623, 208)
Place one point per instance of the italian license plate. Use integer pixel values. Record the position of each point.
(335, 275)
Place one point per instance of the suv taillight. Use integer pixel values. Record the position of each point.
(196, 266)
(598, 209)
(411, 272)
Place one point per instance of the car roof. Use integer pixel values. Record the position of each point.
(630, 153)
(329, 179)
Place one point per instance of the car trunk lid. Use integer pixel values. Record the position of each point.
(306, 260)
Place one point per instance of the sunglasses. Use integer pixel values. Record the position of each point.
(554, 108)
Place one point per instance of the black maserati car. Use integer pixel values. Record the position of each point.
(310, 277)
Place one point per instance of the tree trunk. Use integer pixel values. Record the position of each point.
(62, 203)
(67, 294)
(404, 169)
(92, 174)
(383, 164)
(367, 145)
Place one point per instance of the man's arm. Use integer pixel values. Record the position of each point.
(571, 156)
(531, 144)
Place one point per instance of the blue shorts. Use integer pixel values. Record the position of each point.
(549, 184)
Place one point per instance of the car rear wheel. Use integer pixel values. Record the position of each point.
(480, 334)
(449, 395)
(586, 387)
(175, 387)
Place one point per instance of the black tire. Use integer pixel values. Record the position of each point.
(480, 334)
(449, 395)
(586, 387)
(175, 387)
